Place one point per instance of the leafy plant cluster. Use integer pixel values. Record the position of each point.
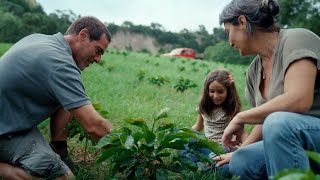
(141, 74)
(143, 152)
(184, 84)
(158, 80)
(74, 128)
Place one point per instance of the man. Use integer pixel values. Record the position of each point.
(41, 77)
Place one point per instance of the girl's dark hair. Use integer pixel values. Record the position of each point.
(260, 14)
(95, 27)
(231, 105)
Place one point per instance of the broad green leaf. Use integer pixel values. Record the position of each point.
(149, 136)
(213, 146)
(141, 142)
(162, 114)
(114, 169)
(203, 157)
(123, 138)
(137, 136)
(147, 150)
(165, 125)
(129, 166)
(162, 174)
(176, 144)
(179, 135)
(163, 155)
(190, 130)
(137, 122)
(186, 162)
(124, 155)
(139, 171)
(109, 139)
(129, 142)
(314, 156)
(108, 153)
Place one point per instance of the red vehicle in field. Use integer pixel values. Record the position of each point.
(182, 52)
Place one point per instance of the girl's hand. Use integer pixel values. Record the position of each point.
(233, 128)
(222, 159)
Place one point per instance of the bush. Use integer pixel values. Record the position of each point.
(144, 153)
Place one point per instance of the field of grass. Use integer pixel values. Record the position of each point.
(121, 85)
(116, 86)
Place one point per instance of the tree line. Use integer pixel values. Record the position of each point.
(19, 18)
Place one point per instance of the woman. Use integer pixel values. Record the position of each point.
(283, 86)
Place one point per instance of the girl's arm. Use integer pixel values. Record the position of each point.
(199, 124)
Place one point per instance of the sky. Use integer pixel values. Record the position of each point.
(173, 15)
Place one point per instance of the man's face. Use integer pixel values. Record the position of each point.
(89, 51)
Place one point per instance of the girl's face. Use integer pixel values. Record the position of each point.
(217, 92)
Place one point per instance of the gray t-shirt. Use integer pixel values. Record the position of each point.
(293, 44)
(38, 75)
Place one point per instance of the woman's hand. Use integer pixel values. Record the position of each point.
(222, 159)
(234, 128)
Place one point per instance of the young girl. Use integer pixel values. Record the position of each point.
(218, 104)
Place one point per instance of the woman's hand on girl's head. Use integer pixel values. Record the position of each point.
(234, 128)
(222, 159)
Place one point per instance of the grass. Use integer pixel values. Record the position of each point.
(4, 47)
(119, 88)
(122, 94)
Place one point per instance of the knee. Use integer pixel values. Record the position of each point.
(276, 122)
(48, 165)
(239, 163)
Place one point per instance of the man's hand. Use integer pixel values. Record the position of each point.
(8, 171)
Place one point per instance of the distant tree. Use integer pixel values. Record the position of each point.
(202, 30)
(113, 28)
(219, 34)
(127, 24)
(222, 52)
(297, 13)
(157, 26)
(11, 27)
(8, 6)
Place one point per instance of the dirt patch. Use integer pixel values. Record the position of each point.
(125, 40)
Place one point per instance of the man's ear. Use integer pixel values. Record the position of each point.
(242, 22)
(84, 34)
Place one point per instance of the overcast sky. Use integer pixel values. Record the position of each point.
(173, 15)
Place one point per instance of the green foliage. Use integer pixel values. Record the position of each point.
(74, 128)
(141, 74)
(4, 47)
(184, 84)
(181, 68)
(158, 80)
(20, 18)
(120, 94)
(222, 52)
(303, 14)
(144, 152)
(7, 32)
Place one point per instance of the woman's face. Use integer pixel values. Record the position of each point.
(238, 37)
